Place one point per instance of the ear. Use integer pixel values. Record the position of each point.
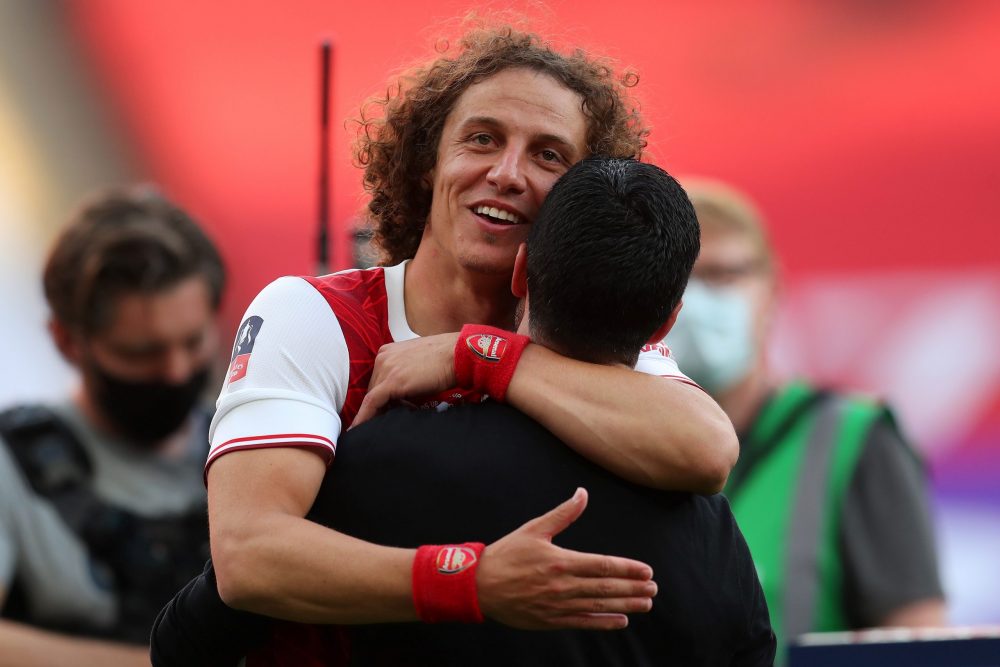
(519, 281)
(65, 341)
(662, 331)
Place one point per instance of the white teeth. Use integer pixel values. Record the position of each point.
(497, 213)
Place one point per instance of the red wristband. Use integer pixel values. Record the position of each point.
(444, 583)
(485, 358)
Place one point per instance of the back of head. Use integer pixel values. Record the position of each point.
(608, 258)
(124, 241)
(401, 130)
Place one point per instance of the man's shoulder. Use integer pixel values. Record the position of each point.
(43, 444)
(407, 427)
(345, 290)
(25, 416)
(22, 425)
(353, 286)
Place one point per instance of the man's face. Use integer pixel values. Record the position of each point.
(166, 336)
(504, 144)
(731, 261)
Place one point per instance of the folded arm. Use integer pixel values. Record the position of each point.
(656, 431)
(270, 560)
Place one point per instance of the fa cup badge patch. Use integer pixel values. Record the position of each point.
(243, 347)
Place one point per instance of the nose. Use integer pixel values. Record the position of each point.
(178, 366)
(507, 174)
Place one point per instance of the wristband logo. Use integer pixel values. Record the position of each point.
(452, 560)
(487, 346)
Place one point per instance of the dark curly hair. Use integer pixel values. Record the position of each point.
(400, 131)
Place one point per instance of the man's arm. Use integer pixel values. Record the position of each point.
(655, 431)
(25, 646)
(270, 560)
(931, 613)
(887, 537)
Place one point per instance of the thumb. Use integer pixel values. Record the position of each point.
(560, 518)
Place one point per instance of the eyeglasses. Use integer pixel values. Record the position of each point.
(724, 276)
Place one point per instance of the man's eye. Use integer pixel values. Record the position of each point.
(549, 155)
(482, 139)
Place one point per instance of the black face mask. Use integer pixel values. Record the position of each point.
(146, 412)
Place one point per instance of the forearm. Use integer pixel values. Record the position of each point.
(654, 431)
(293, 569)
(930, 613)
(25, 646)
(270, 560)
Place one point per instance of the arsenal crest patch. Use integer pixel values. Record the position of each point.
(487, 347)
(245, 339)
(454, 559)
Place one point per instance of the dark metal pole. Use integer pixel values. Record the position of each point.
(323, 250)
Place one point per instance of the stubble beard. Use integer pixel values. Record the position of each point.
(477, 263)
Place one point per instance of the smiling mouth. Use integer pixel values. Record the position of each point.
(497, 216)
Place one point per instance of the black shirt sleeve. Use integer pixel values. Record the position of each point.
(887, 537)
(197, 628)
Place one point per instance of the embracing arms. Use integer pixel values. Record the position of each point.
(661, 432)
(270, 560)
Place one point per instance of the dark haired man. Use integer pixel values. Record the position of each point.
(628, 233)
(506, 117)
(101, 502)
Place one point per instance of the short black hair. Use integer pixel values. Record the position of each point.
(609, 256)
(125, 240)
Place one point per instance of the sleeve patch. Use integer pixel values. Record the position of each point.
(243, 347)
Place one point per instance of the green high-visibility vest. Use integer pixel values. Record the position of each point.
(787, 493)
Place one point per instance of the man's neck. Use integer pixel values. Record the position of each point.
(441, 296)
(743, 401)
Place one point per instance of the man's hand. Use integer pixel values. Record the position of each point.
(410, 369)
(527, 582)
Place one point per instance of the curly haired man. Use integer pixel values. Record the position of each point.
(458, 159)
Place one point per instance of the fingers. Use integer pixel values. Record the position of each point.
(560, 518)
(589, 622)
(587, 590)
(598, 566)
(370, 406)
(597, 613)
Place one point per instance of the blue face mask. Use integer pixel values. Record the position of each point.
(712, 338)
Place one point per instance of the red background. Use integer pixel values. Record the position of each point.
(867, 131)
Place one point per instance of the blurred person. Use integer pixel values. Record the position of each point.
(629, 227)
(457, 164)
(102, 504)
(830, 495)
